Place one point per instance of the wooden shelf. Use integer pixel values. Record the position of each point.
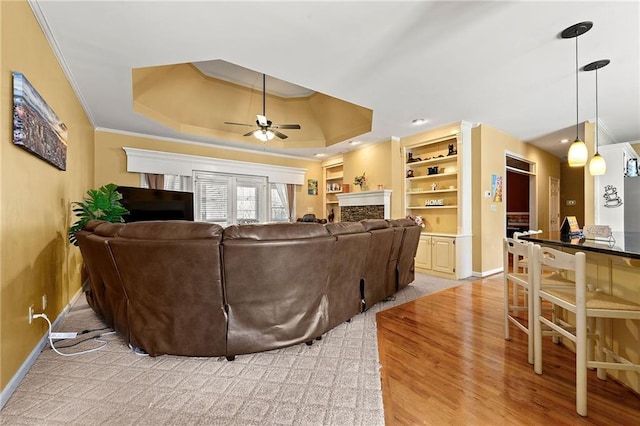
(334, 192)
(334, 177)
(439, 175)
(435, 160)
(437, 191)
(331, 202)
(431, 207)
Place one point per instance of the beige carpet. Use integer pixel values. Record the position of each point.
(335, 381)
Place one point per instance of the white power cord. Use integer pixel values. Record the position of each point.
(44, 316)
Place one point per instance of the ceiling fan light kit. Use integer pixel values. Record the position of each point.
(266, 129)
(578, 153)
(263, 135)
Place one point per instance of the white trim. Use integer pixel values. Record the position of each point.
(147, 161)
(487, 273)
(17, 378)
(46, 29)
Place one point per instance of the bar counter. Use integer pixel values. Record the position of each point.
(613, 267)
(624, 244)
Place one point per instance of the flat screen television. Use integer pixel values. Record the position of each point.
(156, 204)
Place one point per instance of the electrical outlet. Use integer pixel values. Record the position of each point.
(30, 314)
(44, 302)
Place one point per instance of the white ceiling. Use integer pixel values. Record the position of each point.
(500, 63)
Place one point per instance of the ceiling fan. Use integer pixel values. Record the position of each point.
(266, 129)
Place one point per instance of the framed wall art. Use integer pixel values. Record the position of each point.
(312, 187)
(36, 128)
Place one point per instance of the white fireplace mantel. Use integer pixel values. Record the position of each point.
(367, 198)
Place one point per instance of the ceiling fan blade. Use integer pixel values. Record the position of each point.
(286, 126)
(238, 124)
(278, 134)
(249, 133)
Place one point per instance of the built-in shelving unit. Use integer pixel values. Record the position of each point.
(333, 185)
(437, 187)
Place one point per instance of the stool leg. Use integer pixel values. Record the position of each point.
(530, 319)
(600, 356)
(581, 364)
(506, 306)
(537, 334)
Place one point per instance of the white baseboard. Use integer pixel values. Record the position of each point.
(17, 378)
(487, 273)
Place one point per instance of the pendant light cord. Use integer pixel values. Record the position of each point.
(597, 112)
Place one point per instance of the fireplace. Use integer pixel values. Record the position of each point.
(355, 206)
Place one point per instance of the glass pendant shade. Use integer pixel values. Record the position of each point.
(264, 135)
(578, 154)
(597, 165)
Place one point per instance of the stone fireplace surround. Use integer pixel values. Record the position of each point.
(355, 206)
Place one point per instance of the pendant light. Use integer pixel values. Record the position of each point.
(597, 165)
(578, 153)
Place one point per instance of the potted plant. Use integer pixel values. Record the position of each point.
(102, 203)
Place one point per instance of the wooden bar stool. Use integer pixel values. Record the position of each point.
(517, 282)
(589, 307)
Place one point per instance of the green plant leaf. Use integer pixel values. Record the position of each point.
(102, 203)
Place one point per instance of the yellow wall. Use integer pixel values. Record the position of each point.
(572, 188)
(111, 163)
(381, 164)
(489, 218)
(35, 197)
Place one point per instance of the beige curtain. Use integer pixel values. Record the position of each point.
(291, 192)
(154, 181)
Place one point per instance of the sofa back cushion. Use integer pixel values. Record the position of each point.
(171, 272)
(347, 270)
(275, 279)
(376, 264)
(408, 250)
(171, 230)
(105, 285)
(275, 231)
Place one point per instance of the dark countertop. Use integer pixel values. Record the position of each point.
(626, 244)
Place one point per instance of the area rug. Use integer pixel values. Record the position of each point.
(335, 381)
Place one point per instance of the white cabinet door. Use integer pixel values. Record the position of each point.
(423, 255)
(443, 255)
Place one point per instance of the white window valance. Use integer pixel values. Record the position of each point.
(169, 163)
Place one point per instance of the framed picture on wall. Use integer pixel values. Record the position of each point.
(496, 188)
(36, 128)
(312, 187)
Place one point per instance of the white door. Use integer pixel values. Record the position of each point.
(554, 204)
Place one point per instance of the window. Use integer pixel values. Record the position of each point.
(279, 202)
(227, 199)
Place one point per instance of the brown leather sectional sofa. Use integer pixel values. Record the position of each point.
(196, 289)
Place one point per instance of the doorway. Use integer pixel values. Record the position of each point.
(520, 195)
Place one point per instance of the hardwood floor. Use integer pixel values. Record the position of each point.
(445, 362)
